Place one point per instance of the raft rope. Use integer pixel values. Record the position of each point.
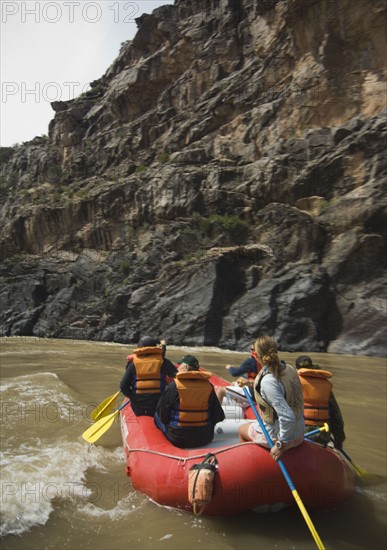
(186, 459)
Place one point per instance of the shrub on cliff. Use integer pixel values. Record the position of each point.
(237, 229)
(125, 267)
(5, 154)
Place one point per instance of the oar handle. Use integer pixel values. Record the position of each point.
(324, 428)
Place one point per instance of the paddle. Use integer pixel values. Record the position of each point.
(360, 471)
(92, 434)
(324, 428)
(105, 407)
(295, 494)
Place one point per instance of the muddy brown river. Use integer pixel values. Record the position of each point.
(59, 492)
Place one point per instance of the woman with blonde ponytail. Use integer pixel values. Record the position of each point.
(269, 354)
(278, 394)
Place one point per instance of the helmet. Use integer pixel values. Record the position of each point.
(147, 342)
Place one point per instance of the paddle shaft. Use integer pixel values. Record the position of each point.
(360, 471)
(122, 406)
(290, 483)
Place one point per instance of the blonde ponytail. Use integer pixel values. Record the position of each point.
(266, 349)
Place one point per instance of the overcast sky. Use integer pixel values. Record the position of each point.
(52, 50)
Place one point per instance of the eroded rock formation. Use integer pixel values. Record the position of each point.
(225, 177)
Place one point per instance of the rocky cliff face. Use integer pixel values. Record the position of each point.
(223, 179)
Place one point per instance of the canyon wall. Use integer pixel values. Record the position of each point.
(226, 177)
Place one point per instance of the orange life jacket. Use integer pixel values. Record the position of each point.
(316, 389)
(147, 362)
(194, 392)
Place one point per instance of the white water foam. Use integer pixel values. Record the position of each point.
(41, 397)
(35, 478)
(28, 382)
(44, 462)
(121, 510)
(376, 494)
(208, 349)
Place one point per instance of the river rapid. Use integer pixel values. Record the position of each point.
(58, 492)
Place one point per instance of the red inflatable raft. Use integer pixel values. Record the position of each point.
(246, 478)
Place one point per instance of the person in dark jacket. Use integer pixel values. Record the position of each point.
(248, 369)
(314, 386)
(246, 373)
(188, 409)
(145, 378)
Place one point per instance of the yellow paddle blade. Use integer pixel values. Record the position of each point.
(92, 434)
(361, 471)
(105, 407)
(308, 521)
